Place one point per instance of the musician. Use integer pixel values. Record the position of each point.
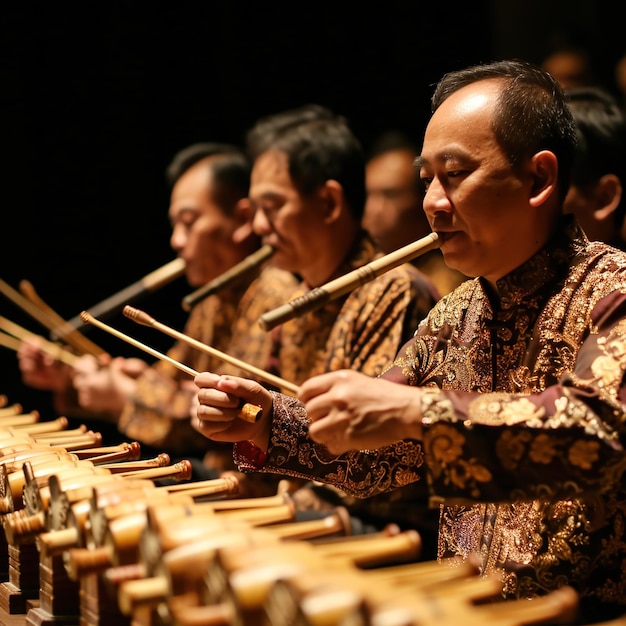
(509, 402)
(307, 190)
(211, 220)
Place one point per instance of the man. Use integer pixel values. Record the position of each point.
(307, 191)
(212, 231)
(509, 402)
(393, 213)
(596, 191)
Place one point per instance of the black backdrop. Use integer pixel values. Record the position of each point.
(97, 99)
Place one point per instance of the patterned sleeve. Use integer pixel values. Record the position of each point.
(499, 446)
(292, 453)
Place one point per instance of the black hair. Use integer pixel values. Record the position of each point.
(229, 165)
(319, 145)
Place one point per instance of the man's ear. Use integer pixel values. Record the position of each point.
(544, 170)
(244, 215)
(609, 196)
(334, 200)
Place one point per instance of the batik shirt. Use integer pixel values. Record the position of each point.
(158, 414)
(523, 402)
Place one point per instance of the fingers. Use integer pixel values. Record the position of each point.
(321, 394)
(217, 414)
(316, 385)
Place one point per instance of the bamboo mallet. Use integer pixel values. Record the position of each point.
(143, 318)
(248, 412)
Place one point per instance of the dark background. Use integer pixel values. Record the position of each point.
(96, 100)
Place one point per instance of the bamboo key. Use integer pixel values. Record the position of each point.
(143, 318)
(248, 412)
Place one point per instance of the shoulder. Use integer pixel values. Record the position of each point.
(603, 268)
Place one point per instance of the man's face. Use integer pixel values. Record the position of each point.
(202, 234)
(393, 210)
(474, 200)
(284, 218)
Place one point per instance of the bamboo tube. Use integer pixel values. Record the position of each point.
(130, 451)
(161, 460)
(160, 517)
(41, 430)
(247, 412)
(217, 615)
(8, 411)
(146, 320)
(229, 277)
(319, 296)
(20, 419)
(149, 283)
(559, 606)
(16, 456)
(75, 442)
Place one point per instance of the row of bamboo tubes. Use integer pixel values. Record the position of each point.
(104, 532)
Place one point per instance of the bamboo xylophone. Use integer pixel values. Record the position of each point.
(95, 539)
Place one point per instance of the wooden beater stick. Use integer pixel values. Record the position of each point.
(143, 318)
(248, 412)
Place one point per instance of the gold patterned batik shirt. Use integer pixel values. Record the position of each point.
(523, 398)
